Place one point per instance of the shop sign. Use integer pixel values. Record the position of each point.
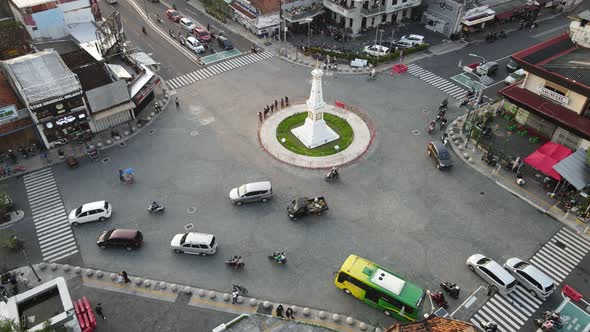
(553, 95)
(55, 100)
(65, 120)
(146, 90)
(442, 4)
(8, 113)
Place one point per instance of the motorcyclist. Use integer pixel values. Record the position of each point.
(278, 256)
(253, 48)
(154, 206)
(490, 327)
(444, 103)
(333, 173)
(372, 73)
(143, 29)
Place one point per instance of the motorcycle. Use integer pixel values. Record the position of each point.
(278, 257)
(502, 34)
(371, 77)
(236, 262)
(332, 175)
(144, 30)
(431, 126)
(451, 288)
(441, 114)
(24, 152)
(489, 326)
(61, 141)
(155, 208)
(489, 158)
(554, 317)
(546, 325)
(443, 104)
(439, 299)
(445, 138)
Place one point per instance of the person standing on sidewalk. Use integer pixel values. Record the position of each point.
(276, 105)
(125, 277)
(234, 296)
(260, 116)
(279, 311)
(287, 101)
(289, 313)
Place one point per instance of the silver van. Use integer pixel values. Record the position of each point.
(194, 243)
(251, 192)
(534, 280)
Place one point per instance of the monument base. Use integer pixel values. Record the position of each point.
(314, 133)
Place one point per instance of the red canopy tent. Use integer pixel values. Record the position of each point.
(545, 157)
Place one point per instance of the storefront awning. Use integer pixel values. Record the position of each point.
(547, 156)
(114, 110)
(474, 21)
(575, 169)
(545, 107)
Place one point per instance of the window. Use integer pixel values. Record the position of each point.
(186, 245)
(203, 246)
(555, 89)
(393, 2)
(195, 246)
(83, 214)
(492, 275)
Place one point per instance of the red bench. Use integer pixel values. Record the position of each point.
(85, 315)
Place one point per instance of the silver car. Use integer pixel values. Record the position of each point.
(492, 272)
(251, 192)
(534, 280)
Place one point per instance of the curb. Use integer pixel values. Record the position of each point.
(166, 101)
(209, 299)
(20, 215)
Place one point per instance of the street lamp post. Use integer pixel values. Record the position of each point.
(308, 20)
(377, 27)
(477, 99)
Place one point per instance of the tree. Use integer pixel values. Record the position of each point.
(11, 325)
(4, 207)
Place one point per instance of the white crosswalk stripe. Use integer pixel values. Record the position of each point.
(440, 83)
(54, 233)
(217, 69)
(557, 258)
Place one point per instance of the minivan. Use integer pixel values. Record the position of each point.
(88, 212)
(225, 43)
(187, 24)
(534, 280)
(492, 272)
(488, 68)
(251, 192)
(120, 238)
(413, 39)
(194, 243)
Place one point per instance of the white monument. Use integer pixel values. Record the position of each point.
(314, 131)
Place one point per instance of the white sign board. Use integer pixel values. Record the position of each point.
(358, 63)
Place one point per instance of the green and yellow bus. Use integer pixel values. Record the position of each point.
(380, 288)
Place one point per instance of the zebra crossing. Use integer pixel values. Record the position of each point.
(217, 69)
(54, 233)
(437, 81)
(557, 258)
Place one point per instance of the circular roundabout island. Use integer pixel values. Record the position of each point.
(315, 134)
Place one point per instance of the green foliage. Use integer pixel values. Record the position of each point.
(11, 325)
(339, 125)
(522, 133)
(534, 139)
(511, 127)
(10, 241)
(507, 117)
(9, 25)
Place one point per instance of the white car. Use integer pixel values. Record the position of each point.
(89, 212)
(195, 45)
(515, 76)
(492, 272)
(187, 24)
(413, 39)
(376, 50)
(534, 280)
(194, 243)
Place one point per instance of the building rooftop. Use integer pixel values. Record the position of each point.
(7, 95)
(29, 3)
(107, 96)
(40, 76)
(574, 65)
(267, 6)
(434, 324)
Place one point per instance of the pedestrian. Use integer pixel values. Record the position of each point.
(208, 27)
(125, 277)
(177, 102)
(282, 103)
(98, 310)
(272, 107)
(289, 313)
(276, 105)
(260, 116)
(287, 101)
(279, 311)
(266, 113)
(121, 178)
(234, 296)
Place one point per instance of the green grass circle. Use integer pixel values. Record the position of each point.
(292, 143)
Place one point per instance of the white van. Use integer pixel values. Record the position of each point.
(195, 45)
(95, 211)
(413, 39)
(187, 24)
(194, 243)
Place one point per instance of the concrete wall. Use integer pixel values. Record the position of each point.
(576, 100)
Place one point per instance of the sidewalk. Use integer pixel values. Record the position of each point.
(103, 140)
(531, 192)
(171, 299)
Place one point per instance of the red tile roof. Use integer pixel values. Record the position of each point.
(533, 102)
(433, 324)
(267, 6)
(7, 94)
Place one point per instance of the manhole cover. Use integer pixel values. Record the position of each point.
(416, 132)
(424, 111)
(482, 193)
(106, 160)
(191, 210)
(122, 144)
(189, 226)
(151, 131)
(194, 133)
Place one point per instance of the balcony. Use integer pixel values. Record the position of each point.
(376, 10)
(302, 13)
(402, 5)
(334, 6)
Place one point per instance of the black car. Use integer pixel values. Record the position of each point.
(439, 154)
(512, 66)
(225, 43)
(120, 238)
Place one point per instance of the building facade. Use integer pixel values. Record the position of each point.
(261, 17)
(358, 16)
(442, 16)
(554, 98)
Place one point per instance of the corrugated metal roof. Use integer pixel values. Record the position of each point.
(30, 3)
(575, 170)
(107, 96)
(40, 76)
